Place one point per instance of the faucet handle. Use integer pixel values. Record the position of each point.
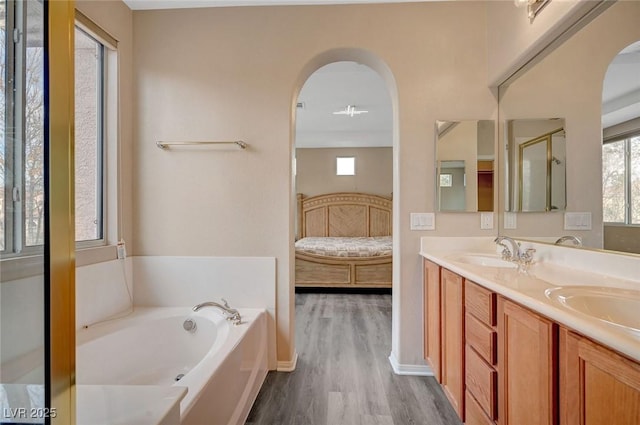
(527, 257)
(226, 304)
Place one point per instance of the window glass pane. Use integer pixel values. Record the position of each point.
(345, 166)
(613, 182)
(635, 180)
(88, 132)
(34, 127)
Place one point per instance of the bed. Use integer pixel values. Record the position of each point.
(343, 241)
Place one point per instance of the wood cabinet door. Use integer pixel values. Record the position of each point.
(597, 385)
(527, 367)
(452, 363)
(432, 317)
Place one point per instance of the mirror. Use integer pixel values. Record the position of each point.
(537, 155)
(465, 165)
(571, 82)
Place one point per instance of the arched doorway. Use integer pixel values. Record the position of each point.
(347, 60)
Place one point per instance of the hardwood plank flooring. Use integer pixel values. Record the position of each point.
(343, 375)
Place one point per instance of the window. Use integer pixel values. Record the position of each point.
(345, 166)
(22, 123)
(89, 146)
(446, 180)
(22, 136)
(621, 181)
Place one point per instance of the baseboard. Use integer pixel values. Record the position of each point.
(408, 369)
(288, 366)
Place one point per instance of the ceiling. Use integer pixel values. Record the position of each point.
(331, 89)
(621, 88)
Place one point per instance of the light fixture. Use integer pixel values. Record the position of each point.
(533, 6)
(350, 110)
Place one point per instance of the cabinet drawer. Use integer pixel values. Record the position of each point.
(480, 302)
(482, 338)
(481, 380)
(474, 415)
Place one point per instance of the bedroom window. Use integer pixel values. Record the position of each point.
(345, 166)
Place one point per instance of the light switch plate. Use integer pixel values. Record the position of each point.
(577, 221)
(510, 220)
(423, 221)
(486, 220)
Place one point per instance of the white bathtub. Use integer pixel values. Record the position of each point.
(223, 365)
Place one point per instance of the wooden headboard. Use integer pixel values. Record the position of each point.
(344, 214)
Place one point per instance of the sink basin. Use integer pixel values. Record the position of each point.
(486, 260)
(616, 306)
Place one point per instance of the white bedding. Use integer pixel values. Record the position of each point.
(346, 247)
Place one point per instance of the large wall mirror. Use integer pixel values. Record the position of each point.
(536, 160)
(465, 158)
(591, 81)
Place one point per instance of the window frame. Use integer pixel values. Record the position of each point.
(101, 175)
(14, 212)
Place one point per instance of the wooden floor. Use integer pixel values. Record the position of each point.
(343, 375)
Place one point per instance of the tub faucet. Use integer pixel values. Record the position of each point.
(574, 239)
(232, 314)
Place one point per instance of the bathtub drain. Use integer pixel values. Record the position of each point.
(179, 377)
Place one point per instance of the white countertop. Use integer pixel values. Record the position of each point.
(528, 289)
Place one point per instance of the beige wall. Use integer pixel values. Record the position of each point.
(316, 171)
(234, 73)
(568, 84)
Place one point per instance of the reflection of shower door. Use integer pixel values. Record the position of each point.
(541, 173)
(533, 172)
(37, 329)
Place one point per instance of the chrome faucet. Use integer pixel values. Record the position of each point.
(576, 240)
(231, 313)
(512, 254)
(515, 254)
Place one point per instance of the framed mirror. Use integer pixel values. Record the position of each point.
(536, 165)
(465, 158)
(596, 94)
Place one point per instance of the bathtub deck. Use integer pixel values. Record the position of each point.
(343, 375)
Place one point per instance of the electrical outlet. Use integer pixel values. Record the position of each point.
(486, 220)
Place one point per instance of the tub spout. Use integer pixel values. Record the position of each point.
(232, 314)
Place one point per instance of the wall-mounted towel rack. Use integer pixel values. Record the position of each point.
(166, 145)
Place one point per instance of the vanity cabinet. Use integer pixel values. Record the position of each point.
(481, 377)
(452, 339)
(597, 385)
(501, 363)
(527, 366)
(431, 294)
